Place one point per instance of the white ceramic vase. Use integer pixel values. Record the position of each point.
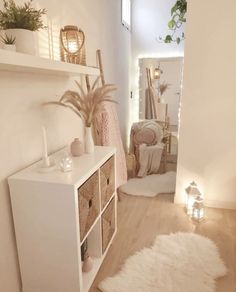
(11, 48)
(89, 143)
(26, 41)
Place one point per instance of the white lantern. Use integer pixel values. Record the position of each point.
(157, 73)
(198, 209)
(192, 192)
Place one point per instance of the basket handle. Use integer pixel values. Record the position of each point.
(62, 42)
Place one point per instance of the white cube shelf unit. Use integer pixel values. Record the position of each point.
(54, 213)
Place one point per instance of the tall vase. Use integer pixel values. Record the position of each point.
(89, 143)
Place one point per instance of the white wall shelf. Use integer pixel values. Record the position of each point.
(17, 62)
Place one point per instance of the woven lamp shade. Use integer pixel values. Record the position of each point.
(72, 46)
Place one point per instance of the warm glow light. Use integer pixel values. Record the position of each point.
(135, 88)
(161, 55)
(192, 192)
(157, 73)
(198, 214)
(189, 205)
(72, 47)
(198, 209)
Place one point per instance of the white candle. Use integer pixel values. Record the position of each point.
(46, 162)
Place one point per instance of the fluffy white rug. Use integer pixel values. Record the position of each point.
(181, 262)
(150, 185)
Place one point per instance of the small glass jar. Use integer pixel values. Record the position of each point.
(66, 162)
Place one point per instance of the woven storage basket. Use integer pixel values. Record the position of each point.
(107, 180)
(108, 224)
(88, 204)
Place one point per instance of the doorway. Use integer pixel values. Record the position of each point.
(170, 74)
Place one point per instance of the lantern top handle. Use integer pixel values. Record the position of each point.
(70, 27)
(192, 189)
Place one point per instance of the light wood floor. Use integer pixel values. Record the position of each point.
(140, 220)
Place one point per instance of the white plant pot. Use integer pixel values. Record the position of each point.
(11, 48)
(25, 40)
(89, 143)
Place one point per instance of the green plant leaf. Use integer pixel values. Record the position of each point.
(8, 40)
(168, 39)
(178, 40)
(21, 16)
(173, 9)
(171, 24)
(178, 12)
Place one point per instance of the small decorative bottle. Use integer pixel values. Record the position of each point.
(87, 264)
(76, 147)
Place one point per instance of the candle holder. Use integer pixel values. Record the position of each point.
(49, 167)
(47, 163)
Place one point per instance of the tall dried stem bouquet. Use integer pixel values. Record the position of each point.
(86, 105)
(163, 87)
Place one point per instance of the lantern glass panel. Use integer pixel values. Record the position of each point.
(198, 213)
(72, 45)
(190, 202)
(198, 209)
(157, 73)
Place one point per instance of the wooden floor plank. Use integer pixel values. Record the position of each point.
(140, 220)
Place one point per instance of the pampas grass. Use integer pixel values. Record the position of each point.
(87, 105)
(163, 87)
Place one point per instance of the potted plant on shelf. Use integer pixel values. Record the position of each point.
(8, 43)
(21, 22)
(87, 105)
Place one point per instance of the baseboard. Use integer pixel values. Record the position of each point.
(215, 204)
(220, 204)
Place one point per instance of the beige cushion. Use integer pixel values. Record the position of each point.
(148, 132)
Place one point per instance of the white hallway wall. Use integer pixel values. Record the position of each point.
(149, 21)
(207, 142)
(21, 115)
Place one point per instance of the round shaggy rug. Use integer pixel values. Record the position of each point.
(180, 262)
(150, 185)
